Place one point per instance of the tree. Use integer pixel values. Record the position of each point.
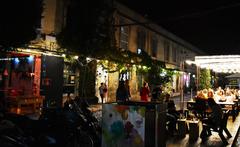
(19, 21)
(205, 79)
(89, 28)
(90, 32)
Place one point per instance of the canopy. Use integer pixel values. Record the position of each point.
(219, 63)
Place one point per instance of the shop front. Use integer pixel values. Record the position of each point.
(28, 80)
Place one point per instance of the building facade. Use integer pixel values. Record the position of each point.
(137, 34)
(133, 33)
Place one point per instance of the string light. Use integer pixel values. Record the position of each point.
(221, 63)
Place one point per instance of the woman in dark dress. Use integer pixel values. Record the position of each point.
(122, 94)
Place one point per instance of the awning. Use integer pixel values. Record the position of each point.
(219, 63)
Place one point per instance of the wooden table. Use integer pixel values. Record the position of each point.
(233, 109)
(18, 103)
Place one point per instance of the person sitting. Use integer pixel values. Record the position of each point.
(200, 107)
(172, 114)
(214, 119)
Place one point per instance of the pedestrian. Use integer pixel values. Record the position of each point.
(101, 91)
(122, 92)
(105, 90)
(128, 88)
(144, 92)
(156, 93)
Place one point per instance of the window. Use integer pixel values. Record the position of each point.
(141, 40)
(154, 44)
(166, 50)
(124, 35)
(174, 54)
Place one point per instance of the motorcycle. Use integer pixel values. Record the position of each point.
(71, 126)
(87, 120)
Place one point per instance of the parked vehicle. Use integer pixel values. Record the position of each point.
(70, 126)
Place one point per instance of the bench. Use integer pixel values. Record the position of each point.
(220, 128)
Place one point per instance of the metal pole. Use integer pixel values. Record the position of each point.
(197, 80)
(191, 93)
(182, 85)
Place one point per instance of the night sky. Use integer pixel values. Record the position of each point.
(211, 25)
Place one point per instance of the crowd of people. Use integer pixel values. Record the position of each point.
(212, 97)
(123, 92)
(219, 94)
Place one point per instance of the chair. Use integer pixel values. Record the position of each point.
(220, 128)
(200, 108)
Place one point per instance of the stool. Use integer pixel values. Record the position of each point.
(182, 127)
(193, 130)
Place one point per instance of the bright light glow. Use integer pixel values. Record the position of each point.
(185, 77)
(221, 63)
(163, 73)
(76, 57)
(64, 55)
(189, 62)
(30, 58)
(36, 52)
(16, 60)
(88, 59)
(139, 51)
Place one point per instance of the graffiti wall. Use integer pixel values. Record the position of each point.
(123, 126)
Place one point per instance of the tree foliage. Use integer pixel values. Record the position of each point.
(19, 21)
(205, 79)
(89, 28)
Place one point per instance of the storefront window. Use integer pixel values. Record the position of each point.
(69, 81)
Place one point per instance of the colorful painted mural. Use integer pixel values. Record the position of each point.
(123, 126)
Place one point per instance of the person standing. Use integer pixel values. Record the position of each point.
(101, 91)
(122, 92)
(128, 88)
(156, 93)
(144, 92)
(105, 90)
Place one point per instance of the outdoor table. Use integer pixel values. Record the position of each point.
(182, 127)
(225, 103)
(193, 129)
(233, 107)
(190, 104)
